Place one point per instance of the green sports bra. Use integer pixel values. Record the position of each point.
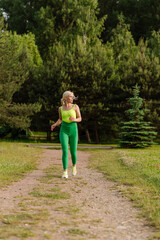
(67, 114)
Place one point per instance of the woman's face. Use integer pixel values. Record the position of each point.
(69, 98)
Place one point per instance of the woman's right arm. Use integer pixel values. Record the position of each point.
(59, 121)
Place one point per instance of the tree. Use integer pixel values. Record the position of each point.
(61, 23)
(53, 21)
(14, 69)
(135, 64)
(142, 16)
(120, 88)
(87, 71)
(136, 133)
(20, 14)
(71, 32)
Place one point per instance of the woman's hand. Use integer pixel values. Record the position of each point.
(59, 121)
(72, 119)
(52, 127)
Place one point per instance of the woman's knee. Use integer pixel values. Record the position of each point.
(65, 152)
(74, 155)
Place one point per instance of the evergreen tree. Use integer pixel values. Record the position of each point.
(87, 71)
(66, 33)
(142, 15)
(135, 64)
(53, 21)
(70, 48)
(124, 52)
(154, 89)
(14, 70)
(136, 133)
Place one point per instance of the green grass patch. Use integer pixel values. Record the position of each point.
(76, 231)
(21, 224)
(15, 160)
(54, 193)
(14, 219)
(16, 231)
(38, 133)
(70, 209)
(52, 173)
(137, 172)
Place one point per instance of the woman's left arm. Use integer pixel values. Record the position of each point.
(78, 115)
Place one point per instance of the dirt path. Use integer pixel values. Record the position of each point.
(45, 206)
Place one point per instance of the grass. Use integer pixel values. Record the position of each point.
(76, 231)
(40, 139)
(14, 219)
(69, 209)
(21, 224)
(16, 160)
(58, 194)
(79, 144)
(137, 173)
(20, 232)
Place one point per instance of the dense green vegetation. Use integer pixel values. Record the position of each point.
(19, 58)
(97, 49)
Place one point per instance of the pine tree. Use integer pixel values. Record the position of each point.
(15, 64)
(136, 133)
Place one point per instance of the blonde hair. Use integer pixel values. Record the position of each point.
(65, 94)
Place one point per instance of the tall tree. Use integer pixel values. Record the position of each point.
(14, 68)
(134, 64)
(54, 20)
(77, 50)
(61, 23)
(142, 16)
(86, 70)
(20, 14)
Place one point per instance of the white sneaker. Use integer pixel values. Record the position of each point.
(74, 171)
(65, 174)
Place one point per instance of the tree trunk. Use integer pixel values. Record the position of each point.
(88, 136)
(96, 132)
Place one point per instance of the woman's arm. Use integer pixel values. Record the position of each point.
(59, 121)
(78, 115)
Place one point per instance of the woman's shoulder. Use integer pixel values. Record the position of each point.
(76, 106)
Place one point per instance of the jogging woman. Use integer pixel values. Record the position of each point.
(69, 115)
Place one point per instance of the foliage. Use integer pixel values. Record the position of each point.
(68, 54)
(59, 17)
(19, 14)
(72, 39)
(15, 64)
(53, 21)
(136, 133)
(87, 71)
(135, 64)
(142, 16)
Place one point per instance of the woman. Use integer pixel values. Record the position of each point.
(69, 115)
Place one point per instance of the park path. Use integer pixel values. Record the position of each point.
(86, 206)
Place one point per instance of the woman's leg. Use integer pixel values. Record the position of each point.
(73, 141)
(64, 143)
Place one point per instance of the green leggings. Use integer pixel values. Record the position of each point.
(69, 135)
